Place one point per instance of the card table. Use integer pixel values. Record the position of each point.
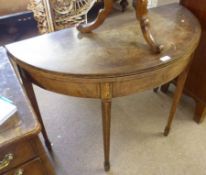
(113, 61)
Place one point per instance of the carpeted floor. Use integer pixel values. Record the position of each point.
(137, 144)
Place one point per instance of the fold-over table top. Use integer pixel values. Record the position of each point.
(117, 48)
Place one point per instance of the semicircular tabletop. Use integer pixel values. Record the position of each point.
(117, 48)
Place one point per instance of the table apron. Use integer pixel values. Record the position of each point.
(121, 86)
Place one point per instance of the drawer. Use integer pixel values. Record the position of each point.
(33, 167)
(15, 155)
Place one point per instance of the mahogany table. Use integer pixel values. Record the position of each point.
(112, 62)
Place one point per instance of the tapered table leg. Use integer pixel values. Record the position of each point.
(106, 95)
(31, 95)
(106, 119)
(178, 93)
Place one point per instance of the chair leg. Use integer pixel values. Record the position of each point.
(31, 95)
(178, 93)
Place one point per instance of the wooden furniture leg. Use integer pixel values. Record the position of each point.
(200, 112)
(106, 120)
(178, 93)
(141, 14)
(31, 95)
(86, 28)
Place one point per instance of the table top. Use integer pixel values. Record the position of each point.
(117, 48)
(11, 89)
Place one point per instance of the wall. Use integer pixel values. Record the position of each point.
(12, 6)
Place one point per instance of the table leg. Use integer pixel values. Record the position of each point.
(106, 95)
(178, 93)
(106, 119)
(103, 13)
(31, 95)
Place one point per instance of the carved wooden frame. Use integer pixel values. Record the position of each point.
(42, 14)
(53, 15)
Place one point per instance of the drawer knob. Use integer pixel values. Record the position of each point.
(6, 161)
(19, 172)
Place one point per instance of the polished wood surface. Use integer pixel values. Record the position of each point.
(196, 83)
(20, 147)
(108, 53)
(113, 61)
(22, 152)
(32, 168)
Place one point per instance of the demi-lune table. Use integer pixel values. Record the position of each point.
(111, 62)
